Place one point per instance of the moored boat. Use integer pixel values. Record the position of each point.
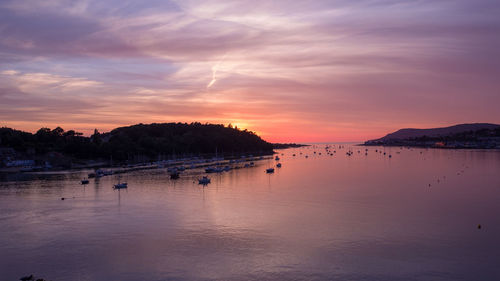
(120, 185)
(204, 180)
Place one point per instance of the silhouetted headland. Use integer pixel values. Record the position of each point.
(477, 135)
(287, 145)
(57, 148)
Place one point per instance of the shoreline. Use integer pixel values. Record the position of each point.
(191, 162)
(432, 146)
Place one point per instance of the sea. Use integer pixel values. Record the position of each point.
(378, 213)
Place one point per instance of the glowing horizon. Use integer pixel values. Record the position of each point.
(291, 71)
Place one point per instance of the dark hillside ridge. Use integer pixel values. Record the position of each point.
(183, 138)
(130, 144)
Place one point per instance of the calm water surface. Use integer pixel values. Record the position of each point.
(363, 217)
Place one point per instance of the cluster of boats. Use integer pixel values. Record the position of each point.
(271, 170)
(116, 186)
(174, 172)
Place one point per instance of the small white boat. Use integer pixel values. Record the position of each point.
(204, 181)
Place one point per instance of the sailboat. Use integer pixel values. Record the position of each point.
(204, 180)
(120, 185)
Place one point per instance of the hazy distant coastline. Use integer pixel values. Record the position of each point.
(476, 135)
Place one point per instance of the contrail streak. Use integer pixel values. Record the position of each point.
(214, 72)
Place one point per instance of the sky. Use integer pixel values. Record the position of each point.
(291, 71)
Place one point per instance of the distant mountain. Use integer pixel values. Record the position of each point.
(483, 135)
(436, 132)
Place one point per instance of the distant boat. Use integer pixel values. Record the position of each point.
(101, 173)
(27, 278)
(204, 181)
(85, 181)
(277, 158)
(120, 185)
(278, 165)
(270, 170)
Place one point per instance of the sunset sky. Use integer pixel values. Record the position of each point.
(301, 71)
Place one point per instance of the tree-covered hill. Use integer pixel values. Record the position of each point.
(144, 141)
